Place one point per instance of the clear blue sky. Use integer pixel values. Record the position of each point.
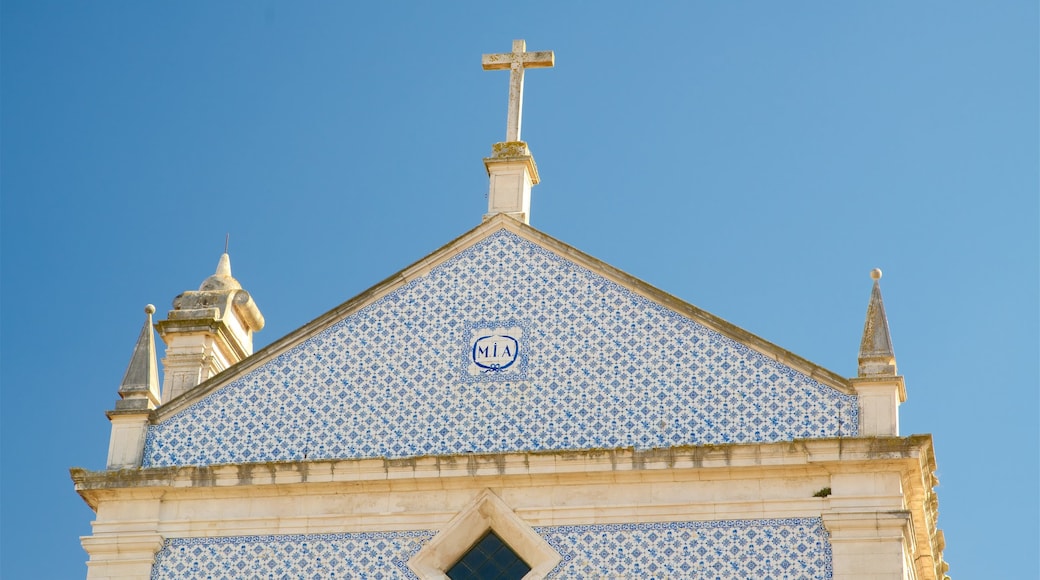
(756, 159)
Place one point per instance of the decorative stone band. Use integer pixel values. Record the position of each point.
(914, 454)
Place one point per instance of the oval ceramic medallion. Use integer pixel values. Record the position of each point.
(495, 351)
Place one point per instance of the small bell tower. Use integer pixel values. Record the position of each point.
(207, 331)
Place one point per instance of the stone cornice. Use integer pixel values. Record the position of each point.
(707, 461)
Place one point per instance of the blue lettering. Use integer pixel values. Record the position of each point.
(486, 352)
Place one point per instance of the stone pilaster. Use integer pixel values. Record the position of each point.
(125, 536)
(128, 556)
(871, 545)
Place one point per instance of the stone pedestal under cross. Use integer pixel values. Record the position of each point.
(511, 167)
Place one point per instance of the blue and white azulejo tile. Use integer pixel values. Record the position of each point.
(505, 347)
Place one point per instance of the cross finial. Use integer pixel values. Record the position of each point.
(516, 62)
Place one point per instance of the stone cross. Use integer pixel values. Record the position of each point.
(516, 62)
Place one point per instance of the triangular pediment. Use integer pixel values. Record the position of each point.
(504, 340)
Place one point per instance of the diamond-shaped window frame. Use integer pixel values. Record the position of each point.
(487, 512)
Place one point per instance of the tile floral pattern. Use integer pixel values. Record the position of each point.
(789, 549)
(379, 555)
(598, 367)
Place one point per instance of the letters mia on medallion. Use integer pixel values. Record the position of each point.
(495, 352)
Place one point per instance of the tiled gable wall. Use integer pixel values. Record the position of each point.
(506, 347)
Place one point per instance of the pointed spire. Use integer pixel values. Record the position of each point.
(876, 355)
(224, 266)
(222, 278)
(140, 386)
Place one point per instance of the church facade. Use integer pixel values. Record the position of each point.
(508, 406)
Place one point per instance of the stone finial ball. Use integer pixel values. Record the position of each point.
(149, 309)
(876, 273)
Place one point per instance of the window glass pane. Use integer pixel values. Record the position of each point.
(490, 559)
